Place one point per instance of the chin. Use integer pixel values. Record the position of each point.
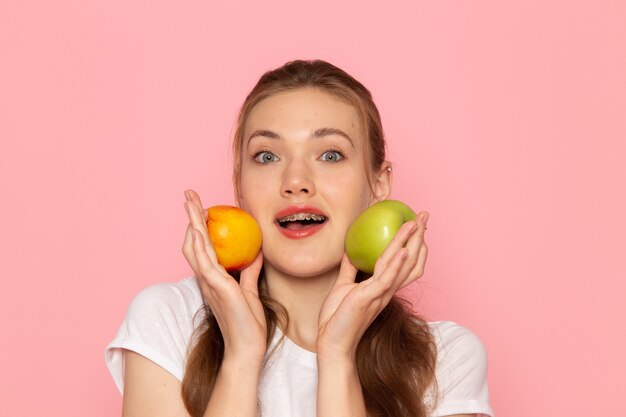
(307, 266)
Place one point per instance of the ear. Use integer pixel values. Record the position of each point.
(382, 183)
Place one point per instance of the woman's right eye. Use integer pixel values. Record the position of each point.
(265, 157)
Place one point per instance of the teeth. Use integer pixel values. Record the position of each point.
(302, 216)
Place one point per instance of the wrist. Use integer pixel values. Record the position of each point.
(340, 360)
(241, 366)
(332, 355)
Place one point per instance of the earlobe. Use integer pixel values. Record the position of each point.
(382, 184)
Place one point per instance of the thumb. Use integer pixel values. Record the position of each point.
(347, 271)
(249, 278)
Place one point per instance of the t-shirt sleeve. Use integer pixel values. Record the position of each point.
(158, 325)
(461, 372)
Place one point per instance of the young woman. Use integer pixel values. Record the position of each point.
(299, 332)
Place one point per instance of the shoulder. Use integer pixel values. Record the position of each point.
(166, 312)
(159, 324)
(461, 369)
(181, 299)
(454, 340)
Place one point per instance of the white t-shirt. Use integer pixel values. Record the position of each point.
(159, 325)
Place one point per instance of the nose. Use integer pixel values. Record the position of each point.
(297, 181)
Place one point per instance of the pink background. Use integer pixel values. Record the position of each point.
(505, 120)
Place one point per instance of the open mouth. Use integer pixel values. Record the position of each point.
(301, 221)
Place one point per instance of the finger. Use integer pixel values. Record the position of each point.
(394, 246)
(249, 278)
(414, 245)
(347, 271)
(188, 245)
(192, 196)
(418, 270)
(197, 223)
(206, 265)
(383, 284)
(188, 250)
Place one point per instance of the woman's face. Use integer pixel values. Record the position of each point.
(296, 162)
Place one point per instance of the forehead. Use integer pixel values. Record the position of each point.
(304, 110)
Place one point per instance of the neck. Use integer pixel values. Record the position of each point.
(302, 297)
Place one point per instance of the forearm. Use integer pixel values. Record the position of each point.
(339, 389)
(236, 391)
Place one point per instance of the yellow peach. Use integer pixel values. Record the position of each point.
(235, 235)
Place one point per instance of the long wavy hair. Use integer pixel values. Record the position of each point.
(397, 354)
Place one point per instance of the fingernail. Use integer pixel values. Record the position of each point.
(425, 218)
(187, 207)
(187, 196)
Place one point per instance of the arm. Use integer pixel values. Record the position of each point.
(339, 389)
(150, 390)
(347, 312)
(235, 392)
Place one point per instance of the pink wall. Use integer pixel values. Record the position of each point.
(507, 122)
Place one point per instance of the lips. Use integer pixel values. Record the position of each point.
(297, 230)
(299, 208)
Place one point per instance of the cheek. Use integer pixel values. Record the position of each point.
(253, 190)
(350, 192)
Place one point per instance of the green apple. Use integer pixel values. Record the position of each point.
(371, 232)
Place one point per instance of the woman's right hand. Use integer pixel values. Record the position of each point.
(236, 306)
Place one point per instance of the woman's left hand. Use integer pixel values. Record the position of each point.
(351, 307)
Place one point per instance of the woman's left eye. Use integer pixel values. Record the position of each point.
(332, 156)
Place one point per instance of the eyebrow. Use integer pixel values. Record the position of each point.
(318, 133)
